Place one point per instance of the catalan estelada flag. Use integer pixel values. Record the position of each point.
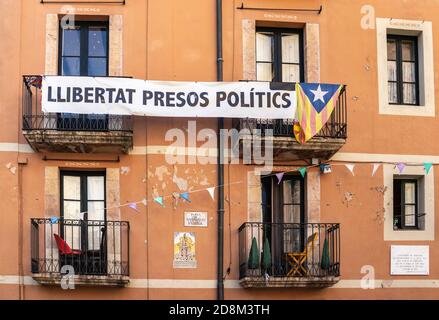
(315, 104)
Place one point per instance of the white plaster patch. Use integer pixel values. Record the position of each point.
(204, 182)
(161, 171)
(124, 170)
(11, 167)
(181, 183)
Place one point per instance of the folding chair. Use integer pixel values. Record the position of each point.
(297, 259)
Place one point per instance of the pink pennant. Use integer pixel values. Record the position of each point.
(133, 206)
(279, 176)
(400, 167)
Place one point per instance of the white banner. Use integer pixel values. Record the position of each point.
(124, 96)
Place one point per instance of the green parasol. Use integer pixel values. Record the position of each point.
(266, 256)
(253, 259)
(325, 256)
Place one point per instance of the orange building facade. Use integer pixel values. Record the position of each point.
(98, 196)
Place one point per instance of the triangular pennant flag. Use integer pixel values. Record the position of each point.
(211, 191)
(280, 176)
(54, 219)
(159, 200)
(400, 167)
(185, 196)
(375, 168)
(302, 172)
(350, 167)
(144, 202)
(427, 166)
(133, 206)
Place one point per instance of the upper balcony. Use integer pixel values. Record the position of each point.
(289, 254)
(323, 145)
(62, 132)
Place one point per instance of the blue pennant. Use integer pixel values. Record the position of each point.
(185, 196)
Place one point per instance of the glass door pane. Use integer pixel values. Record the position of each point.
(290, 57)
(264, 56)
(96, 212)
(71, 210)
(410, 204)
(292, 214)
(97, 66)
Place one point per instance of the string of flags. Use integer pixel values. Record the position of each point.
(325, 168)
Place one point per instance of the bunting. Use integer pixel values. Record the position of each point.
(279, 177)
(159, 200)
(211, 191)
(133, 206)
(185, 196)
(375, 168)
(324, 168)
(427, 166)
(400, 167)
(350, 167)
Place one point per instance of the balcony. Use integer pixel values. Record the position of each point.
(96, 252)
(285, 147)
(289, 254)
(56, 132)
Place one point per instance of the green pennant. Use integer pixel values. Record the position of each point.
(302, 171)
(159, 200)
(427, 166)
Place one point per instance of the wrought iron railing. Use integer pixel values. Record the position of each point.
(304, 250)
(35, 119)
(90, 247)
(336, 127)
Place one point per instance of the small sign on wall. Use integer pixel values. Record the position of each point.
(195, 219)
(410, 260)
(184, 250)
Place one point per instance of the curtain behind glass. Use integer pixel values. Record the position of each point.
(72, 209)
(95, 208)
(291, 214)
(264, 56)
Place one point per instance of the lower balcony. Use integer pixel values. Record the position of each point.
(90, 252)
(289, 254)
(77, 133)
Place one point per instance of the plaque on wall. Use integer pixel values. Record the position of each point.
(195, 219)
(409, 260)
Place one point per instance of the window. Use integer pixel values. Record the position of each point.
(279, 55)
(83, 52)
(84, 49)
(406, 85)
(83, 192)
(402, 66)
(405, 204)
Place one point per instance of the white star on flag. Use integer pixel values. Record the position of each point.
(319, 94)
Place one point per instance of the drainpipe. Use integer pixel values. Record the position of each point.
(220, 144)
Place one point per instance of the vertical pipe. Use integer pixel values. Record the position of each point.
(219, 56)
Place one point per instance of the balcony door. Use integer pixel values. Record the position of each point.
(283, 210)
(279, 58)
(83, 52)
(82, 210)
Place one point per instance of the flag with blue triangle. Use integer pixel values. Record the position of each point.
(315, 104)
